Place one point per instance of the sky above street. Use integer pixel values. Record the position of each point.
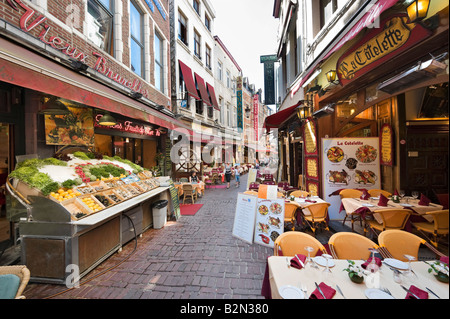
(248, 30)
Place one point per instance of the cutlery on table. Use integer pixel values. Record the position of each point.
(409, 291)
(320, 290)
(288, 262)
(432, 292)
(340, 291)
(301, 262)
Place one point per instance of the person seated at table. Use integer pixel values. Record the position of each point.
(193, 178)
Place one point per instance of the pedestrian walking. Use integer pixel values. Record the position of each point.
(228, 174)
(237, 175)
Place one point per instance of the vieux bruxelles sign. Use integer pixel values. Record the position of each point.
(378, 46)
(27, 24)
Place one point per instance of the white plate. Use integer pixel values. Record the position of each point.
(406, 205)
(395, 263)
(290, 292)
(321, 261)
(375, 198)
(367, 205)
(377, 294)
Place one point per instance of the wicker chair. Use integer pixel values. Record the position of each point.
(22, 272)
(377, 192)
(351, 193)
(299, 193)
(392, 218)
(438, 228)
(289, 213)
(346, 245)
(319, 212)
(188, 191)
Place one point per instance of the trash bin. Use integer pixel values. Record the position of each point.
(159, 210)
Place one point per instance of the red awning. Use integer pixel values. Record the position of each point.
(370, 18)
(212, 95)
(275, 120)
(189, 80)
(21, 67)
(202, 88)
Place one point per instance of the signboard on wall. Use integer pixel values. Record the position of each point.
(255, 116)
(349, 163)
(240, 118)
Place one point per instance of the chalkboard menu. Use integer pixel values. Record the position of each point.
(175, 202)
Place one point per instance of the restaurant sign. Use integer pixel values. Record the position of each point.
(378, 46)
(129, 127)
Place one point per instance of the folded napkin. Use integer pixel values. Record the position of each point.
(295, 263)
(424, 201)
(418, 292)
(383, 200)
(310, 201)
(396, 193)
(327, 291)
(377, 261)
(365, 195)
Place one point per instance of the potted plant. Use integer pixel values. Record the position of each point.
(440, 271)
(355, 273)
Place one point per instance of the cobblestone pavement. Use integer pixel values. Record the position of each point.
(195, 257)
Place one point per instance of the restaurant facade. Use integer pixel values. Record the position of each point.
(382, 75)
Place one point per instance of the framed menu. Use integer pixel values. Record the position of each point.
(258, 220)
(349, 163)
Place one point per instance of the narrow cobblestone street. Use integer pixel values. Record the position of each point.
(195, 257)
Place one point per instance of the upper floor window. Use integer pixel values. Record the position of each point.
(228, 79)
(100, 26)
(159, 62)
(208, 57)
(207, 22)
(197, 44)
(327, 8)
(219, 70)
(137, 42)
(196, 5)
(182, 28)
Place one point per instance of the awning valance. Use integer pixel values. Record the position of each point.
(277, 119)
(188, 80)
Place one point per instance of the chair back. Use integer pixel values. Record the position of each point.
(377, 192)
(318, 211)
(346, 245)
(283, 184)
(290, 209)
(440, 218)
(350, 193)
(293, 242)
(299, 193)
(253, 185)
(188, 189)
(394, 218)
(396, 243)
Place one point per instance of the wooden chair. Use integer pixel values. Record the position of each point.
(289, 213)
(438, 228)
(392, 218)
(347, 245)
(319, 212)
(396, 243)
(377, 192)
(293, 242)
(351, 193)
(22, 272)
(188, 191)
(299, 193)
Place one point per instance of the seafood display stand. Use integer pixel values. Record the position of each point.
(57, 247)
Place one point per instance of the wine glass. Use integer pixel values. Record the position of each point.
(415, 194)
(327, 268)
(410, 272)
(372, 266)
(309, 263)
(402, 193)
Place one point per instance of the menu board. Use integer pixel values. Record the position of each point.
(349, 163)
(175, 202)
(269, 222)
(258, 220)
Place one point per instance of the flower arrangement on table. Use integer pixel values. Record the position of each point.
(356, 273)
(440, 271)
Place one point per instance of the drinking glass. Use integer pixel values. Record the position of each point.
(372, 266)
(309, 263)
(415, 194)
(410, 258)
(401, 193)
(327, 268)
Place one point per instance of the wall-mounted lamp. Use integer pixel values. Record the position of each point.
(331, 76)
(136, 95)
(79, 66)
(247, 111)
(303, 112)
(418, 10)
(107, 120)
(54, 107)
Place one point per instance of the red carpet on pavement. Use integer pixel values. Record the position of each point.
(189, 209)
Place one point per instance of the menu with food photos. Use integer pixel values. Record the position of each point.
(258, 220)
(349, 163)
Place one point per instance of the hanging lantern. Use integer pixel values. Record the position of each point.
(303, 112)
(418, 10)
(107, 120)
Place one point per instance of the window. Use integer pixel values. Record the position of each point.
(197, 45)
(222, 110)
(219, 70)
(207, 22)
(199, 107)
(137, 42)
(159, 62)
(208, 57)
(210, 112)
(327, 8)
(196, 5)
(99, 21)
(228, 79)
(182, 28)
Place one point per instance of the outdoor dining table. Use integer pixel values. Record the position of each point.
(360, 206)
(281, 277)
(198, 187)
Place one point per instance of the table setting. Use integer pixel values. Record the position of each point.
(321, 277)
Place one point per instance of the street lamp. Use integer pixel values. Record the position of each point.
(418, 10)
(303, 112)
(331, 76)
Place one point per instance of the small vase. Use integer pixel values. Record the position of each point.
(355, 278)
(442, 277)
